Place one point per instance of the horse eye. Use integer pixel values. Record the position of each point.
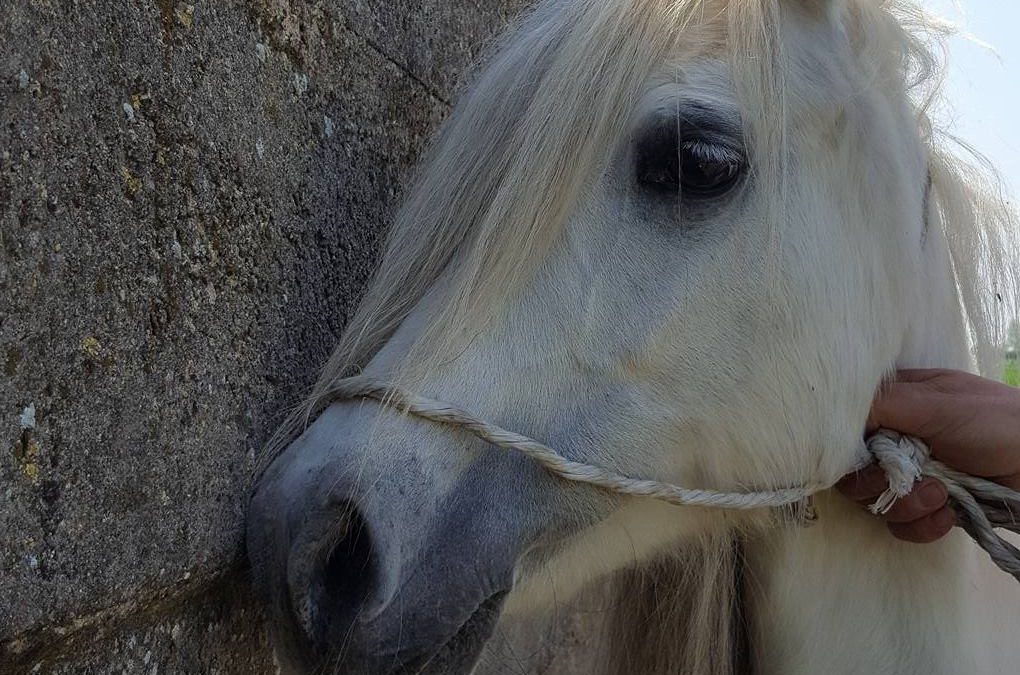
(689, 166)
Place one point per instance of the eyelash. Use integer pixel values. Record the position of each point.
(711, 152)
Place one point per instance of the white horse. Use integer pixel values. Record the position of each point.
(683, 240)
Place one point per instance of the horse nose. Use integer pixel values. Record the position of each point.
(372, 565)
(321, 544)
(333, 574)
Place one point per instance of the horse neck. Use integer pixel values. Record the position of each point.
(844, 596)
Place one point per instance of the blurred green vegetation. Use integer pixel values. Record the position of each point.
(1011, 376)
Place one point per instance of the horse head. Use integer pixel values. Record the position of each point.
(678, 239)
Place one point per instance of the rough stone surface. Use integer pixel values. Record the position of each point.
(215, 631)
(191, 198)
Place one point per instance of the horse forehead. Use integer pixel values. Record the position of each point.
(706, 82)
(819, 72)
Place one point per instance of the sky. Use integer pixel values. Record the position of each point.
(983, 88)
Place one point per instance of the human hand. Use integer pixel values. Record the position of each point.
(970, 423)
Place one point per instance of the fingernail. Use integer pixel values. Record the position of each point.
(932, 495)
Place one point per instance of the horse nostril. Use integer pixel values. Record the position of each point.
(347, 575)
(332, 574)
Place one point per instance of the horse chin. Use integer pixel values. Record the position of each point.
(459, 654)
(423, 646)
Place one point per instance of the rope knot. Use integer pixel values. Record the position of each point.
(901, 458)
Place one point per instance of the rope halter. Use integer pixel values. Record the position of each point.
(981, 505)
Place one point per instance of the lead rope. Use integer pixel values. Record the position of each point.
(981, 505)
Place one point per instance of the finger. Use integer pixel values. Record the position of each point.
(927, 498)
(969, 422)
(911, 408)
(865, 485)
(949, 381)
(927, 374)
(924, 402)
(926, 530)
(973, 433)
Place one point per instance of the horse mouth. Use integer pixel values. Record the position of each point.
(458, 655)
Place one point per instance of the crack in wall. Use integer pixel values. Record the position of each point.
(296, 58)
(430, 89)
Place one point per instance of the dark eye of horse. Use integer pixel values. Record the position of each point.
(693, 167)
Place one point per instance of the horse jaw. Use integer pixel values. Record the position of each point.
(846, 597)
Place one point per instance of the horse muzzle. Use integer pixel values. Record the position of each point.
(370, 563)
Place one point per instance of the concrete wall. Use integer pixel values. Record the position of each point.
(191, 195)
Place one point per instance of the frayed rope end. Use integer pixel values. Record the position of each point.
(901, 458)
